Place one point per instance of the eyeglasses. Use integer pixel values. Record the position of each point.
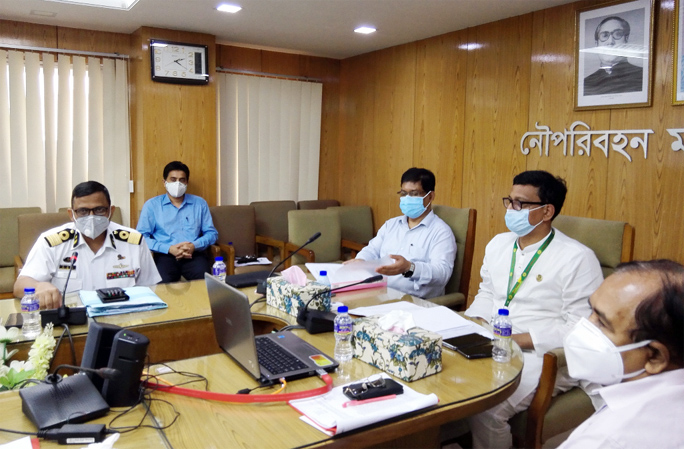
(518, 205)
(412, 193)
(84, 211)
(617, 35)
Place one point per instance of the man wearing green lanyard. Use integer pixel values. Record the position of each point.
(544, 278)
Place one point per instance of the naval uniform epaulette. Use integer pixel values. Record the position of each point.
(60, 237)
(132, 237)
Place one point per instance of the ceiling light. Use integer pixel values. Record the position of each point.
(113, 4)
(228, 8)
(365, 30)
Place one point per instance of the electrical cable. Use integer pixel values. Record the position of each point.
(260, 299)
(243, 398)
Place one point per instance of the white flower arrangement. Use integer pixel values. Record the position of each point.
(40, 354)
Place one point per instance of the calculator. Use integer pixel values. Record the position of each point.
(113, 294)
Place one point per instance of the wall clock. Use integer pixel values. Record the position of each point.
(179, 63)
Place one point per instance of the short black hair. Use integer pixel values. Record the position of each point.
(176, 165)
(422, 175)
(623, 22)
(551, 189)
(660, 316)
(88, 188)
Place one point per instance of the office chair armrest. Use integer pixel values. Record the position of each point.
(352, 246)
(229, 251)
(541, 401)
(18, 265)
(290, 248)
(561, 362)
(271, 243)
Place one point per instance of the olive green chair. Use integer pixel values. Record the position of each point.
(356, 226)
(462, 223)
(9, 229)
(271, 222)
(316, 204)
(237, 237)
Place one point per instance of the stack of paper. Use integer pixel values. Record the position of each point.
(340, 275)
(440, 319)
(328, 414)
(141, 299)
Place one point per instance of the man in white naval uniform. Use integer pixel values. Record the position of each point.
(107, 254)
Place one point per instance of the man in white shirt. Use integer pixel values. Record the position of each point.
(634, 342)
(420, 243)
(544, 278)
(108, 254)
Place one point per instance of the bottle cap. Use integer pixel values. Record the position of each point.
(342, 309)
(219, 259)
(503, 312)
(29, 290)
(324, 273)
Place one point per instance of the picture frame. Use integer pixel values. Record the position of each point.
(678, 57)
(614, 55)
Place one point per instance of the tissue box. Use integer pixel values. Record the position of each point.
(290, 298)
(409, 356)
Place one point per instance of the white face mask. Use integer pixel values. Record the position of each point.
(176, 189)
(592, 356)
(92, 225)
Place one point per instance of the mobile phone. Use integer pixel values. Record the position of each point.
(373, 389)
(476, 352)
(113, 294)
(465, 341)
(14, 320)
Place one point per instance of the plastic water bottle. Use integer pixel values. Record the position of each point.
(323, 278)
(219, 269)
(30, 313)
(501, 351)
(343, 335)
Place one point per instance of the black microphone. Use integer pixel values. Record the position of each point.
(261, 285)
(64, 314)
(105, 373)
(74, 256)
(316, 321)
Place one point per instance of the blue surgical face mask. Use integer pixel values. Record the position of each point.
(412, 206)
(518, 221)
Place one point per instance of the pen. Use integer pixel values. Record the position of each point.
(368, 401)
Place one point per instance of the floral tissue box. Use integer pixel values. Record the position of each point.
(409, 356)
(290, 297)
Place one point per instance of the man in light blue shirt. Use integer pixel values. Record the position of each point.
(421, 244)
(178, 228)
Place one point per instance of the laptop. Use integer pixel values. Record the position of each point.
(230, 311)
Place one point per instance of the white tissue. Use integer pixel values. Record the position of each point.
(294, 275)
(398, 321)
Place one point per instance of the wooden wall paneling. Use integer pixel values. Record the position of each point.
(29, 34)
(281, 63)
(440, 111)
(647, 192)
(552, 85)
(231, 57)
(392, 152)
(356, 160)
(497, 101)
(95, 41)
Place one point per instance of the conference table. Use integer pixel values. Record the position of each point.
(183, 335)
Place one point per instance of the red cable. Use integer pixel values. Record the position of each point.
(243, 398)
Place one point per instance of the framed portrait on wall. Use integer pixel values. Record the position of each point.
(678, 74)
(613, 58)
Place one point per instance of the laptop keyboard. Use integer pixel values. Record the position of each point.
(275, 359)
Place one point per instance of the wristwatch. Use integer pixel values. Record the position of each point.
(410, 271)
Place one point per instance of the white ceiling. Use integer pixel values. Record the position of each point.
(314, 27)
